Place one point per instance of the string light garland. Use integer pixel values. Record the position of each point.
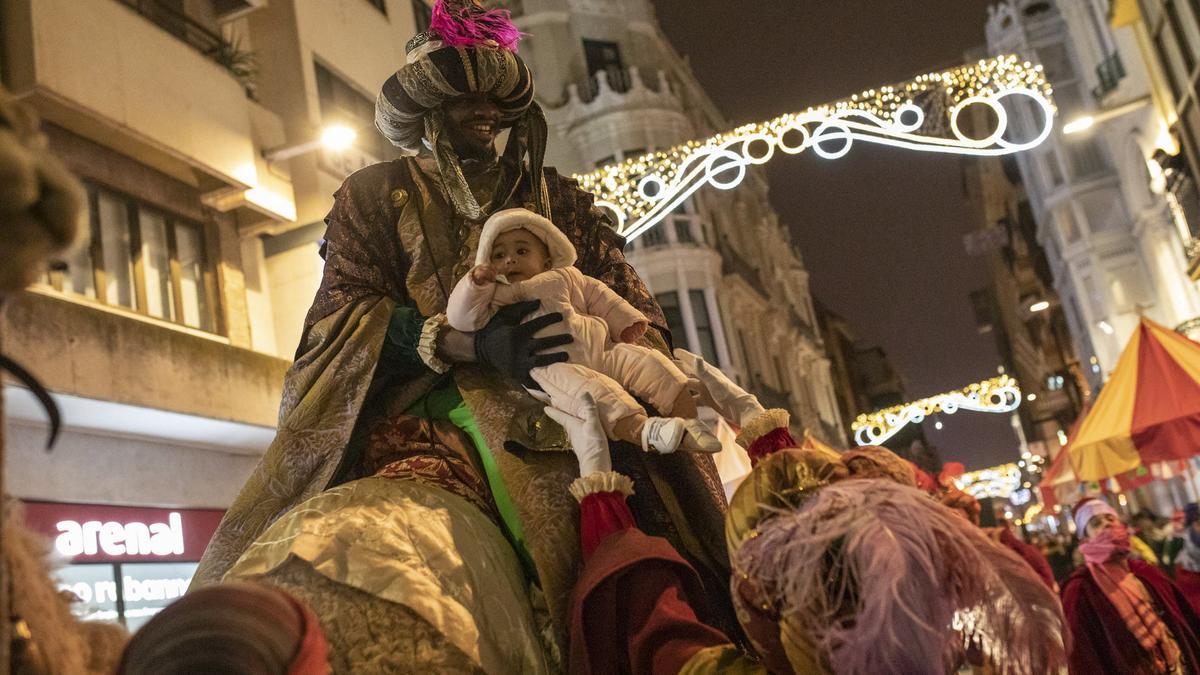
(923, 114)
(997, 481)
(996, 395)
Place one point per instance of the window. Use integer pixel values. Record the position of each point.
(380, 5)
(1086, 158)
(341, 103)
(143, 259)
(683, 230)
(423, 15)
(606, 56)
(160, 296)
(1050, 168)
(115, 243)
(704, 327)
(669, 302)
(655, 236)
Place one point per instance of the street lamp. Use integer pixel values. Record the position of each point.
(337, 137)
(1085, 122)
(334, 137)
(1078, 124)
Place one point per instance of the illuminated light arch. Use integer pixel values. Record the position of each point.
(922, 114)
(996, 482)
(997, 395)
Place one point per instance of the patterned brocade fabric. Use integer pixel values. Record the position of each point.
(370, 634)
(430, 452)
(423, 560)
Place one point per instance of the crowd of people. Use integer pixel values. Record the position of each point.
(1166, 542)
(484, 493)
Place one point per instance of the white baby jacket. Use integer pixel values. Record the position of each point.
(595, 316)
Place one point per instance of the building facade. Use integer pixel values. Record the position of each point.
(1019, 307)
(166, 342)
(1114, 245)
(1168, 34)
(863, 378)
(732, 284)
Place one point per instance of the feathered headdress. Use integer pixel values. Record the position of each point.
(465, 23)
(869, 576)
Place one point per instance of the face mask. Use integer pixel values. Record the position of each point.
(1111, 543)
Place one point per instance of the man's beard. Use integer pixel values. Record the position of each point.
(468, 150)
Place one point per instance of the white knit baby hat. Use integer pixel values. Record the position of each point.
(562, 253)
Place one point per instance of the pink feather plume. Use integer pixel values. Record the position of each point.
(883, 579)
(461, 23)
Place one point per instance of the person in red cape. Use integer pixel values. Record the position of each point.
(1125, 615)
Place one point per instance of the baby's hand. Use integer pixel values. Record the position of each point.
(483, 274)
(634, 332)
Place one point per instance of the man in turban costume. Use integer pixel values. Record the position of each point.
(415, 495)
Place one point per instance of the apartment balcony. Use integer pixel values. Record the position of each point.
(1109, 74)
(617, 89)
(149, 83)
(95, 354)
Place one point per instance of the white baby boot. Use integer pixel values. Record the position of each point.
(729, 400)
(664, 435)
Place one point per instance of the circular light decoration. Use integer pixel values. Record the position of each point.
(922, 114)
(997, 481)
(997, 395)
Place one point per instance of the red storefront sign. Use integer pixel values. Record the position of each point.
(98, 533)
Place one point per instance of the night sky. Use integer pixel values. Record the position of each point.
(880, 229)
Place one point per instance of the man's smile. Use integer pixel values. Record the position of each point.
(485, 129)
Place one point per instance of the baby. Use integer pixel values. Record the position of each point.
(523, 256)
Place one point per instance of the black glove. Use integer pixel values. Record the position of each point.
(508, 345)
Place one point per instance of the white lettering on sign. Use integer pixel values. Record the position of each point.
(154, 589)
(98, 592)
(113, 538)
(136, 590)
